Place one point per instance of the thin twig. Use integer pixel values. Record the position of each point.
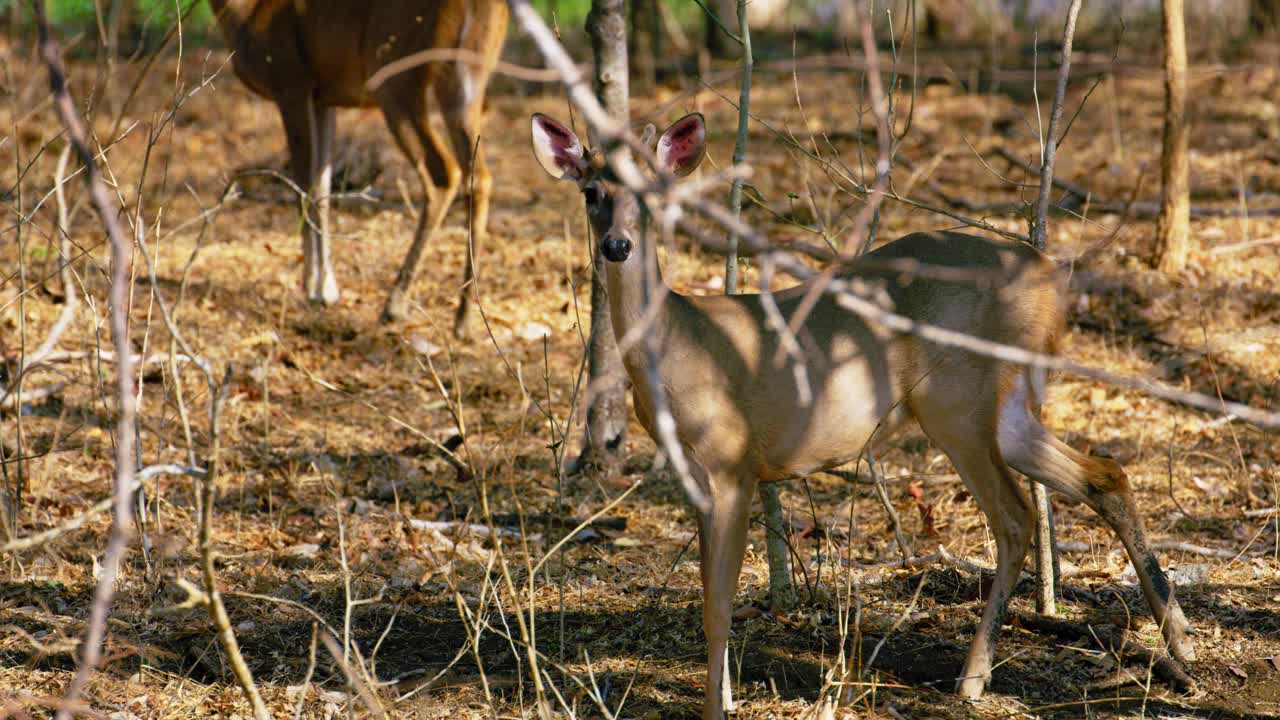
(1040, 231)
(353, 680)
(739, 146)
(460, 56)
(70, 298)
(895, 523)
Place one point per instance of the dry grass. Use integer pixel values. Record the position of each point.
(311, 453)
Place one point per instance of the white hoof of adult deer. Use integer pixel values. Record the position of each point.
(325, 292)
(329, 293)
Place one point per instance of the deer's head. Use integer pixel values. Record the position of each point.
(613, 210)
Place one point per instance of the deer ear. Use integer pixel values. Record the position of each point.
(558, 150)
(683, 145)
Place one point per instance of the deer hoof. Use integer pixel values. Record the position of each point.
(1183, 649)
(329, 293)
(397, 308)
(971, 688)
(327, 298)
(461, 329)
(323, 290)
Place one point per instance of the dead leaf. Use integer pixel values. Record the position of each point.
(916, 491)
(1238, 672)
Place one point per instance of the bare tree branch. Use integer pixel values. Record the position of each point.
(121, 257)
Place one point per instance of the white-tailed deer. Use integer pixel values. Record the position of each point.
(315, 56)
(739, 421)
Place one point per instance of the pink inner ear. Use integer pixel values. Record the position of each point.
(561, 140)
(565, 148)
(681, 145)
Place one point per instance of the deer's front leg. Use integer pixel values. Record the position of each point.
(722, 540)
(322, 286)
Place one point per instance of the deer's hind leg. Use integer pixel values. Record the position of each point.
(967, 435)
(460, 92)
(1101, 484)
(404, 105)
(309, 133)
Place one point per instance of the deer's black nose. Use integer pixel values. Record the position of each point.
(616, 248)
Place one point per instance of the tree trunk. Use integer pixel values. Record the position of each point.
(1172, 227)
(932, 22)
(1264, 16)
(607, 412)
(716, 44)
(645, 39)
(118, 18)
(1046, 555)
(781, 595)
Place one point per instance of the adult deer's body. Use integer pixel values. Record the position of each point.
(739, 420)
(315, 56)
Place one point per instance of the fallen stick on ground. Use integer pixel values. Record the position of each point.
(1112, 639)
(1168, 545)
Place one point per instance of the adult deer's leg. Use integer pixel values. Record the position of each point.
(462, 105)
(965, 438)
(722, 540)
(404, 105)
(322, 285)
(297, 114)
(1101, 484)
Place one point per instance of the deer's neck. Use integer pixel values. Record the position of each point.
(631, 289)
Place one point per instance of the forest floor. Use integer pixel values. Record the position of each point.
(330, 476)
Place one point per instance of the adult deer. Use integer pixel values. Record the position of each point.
(739, 421)
(313, 57)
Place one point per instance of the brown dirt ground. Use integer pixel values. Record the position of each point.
(316, 469)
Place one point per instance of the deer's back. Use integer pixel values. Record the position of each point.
(736, 407)
(1005, 292)
(332, 47)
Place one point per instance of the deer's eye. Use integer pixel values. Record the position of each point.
(591, 194)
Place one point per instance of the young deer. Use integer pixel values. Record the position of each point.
(315, 56)
(739, 422)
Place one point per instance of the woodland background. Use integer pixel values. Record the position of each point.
(403, 496)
